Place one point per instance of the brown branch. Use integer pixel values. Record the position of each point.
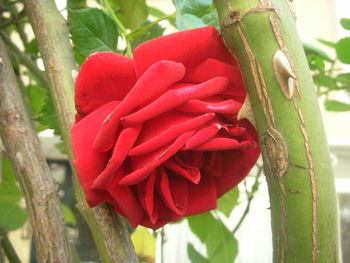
(31, 170)
(108, 229)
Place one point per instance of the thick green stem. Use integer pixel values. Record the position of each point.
(108, 229)
(263, 37)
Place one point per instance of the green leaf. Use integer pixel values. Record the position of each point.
(220, 243)
(11, 215)
(48, 117)
(228, 201)
(133, 12)
(188, 21)
(325, 81)
(61, 147)
(194, 255)
(7, 172)
(76, 4)
(156, 12)
(345, 23)
(146, 33)
(211, 19)
(32, 47)
(343, 78)
(313, 50)
(68, 215)
(92, 30)
(9, 191)
(191, 6)
(333, 105)
(343, 50)
(37, 96)
(327, 43)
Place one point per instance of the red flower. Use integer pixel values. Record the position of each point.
(157, 136)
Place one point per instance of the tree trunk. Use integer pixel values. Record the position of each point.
(263, 37)
(108, 229)
(32, 171)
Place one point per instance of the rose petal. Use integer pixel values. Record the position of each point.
(237, 164)
(236, 169)
(215, 165)
(146, 87)
(174, 192)
(236, 131)
(122, 147)
(202, 136)
(212, 68)
(145, 191)
(104, 77)
(202, 197)
(170, 134)
(222, 144)
(175, 97)
(89, 162)
(191, 173)
(140, 174)
(199, 106)
(126, 200)
(196, 46)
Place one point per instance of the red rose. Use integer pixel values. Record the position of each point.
(157, 136)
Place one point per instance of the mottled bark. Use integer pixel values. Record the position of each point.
(32, 171)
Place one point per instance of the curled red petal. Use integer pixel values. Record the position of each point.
(221, 144)
(142, 173)
(191, 173)
(126, 200)
(170, 134)
(104, 77)
(146, 194)
(215, 165)
(122, 147)
(89, 162)
(202, 136)
(211, 68)
(148, 86)
(236, 131)
(174, 192)
(199, 106)
(175, 97)
(196, 46)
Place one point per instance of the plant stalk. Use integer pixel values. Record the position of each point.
(31, 169)
(263, 37)
(108, 229)
(7, 247)
(25, 60)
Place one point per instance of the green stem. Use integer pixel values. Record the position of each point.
(262, 35)
(19, 26)
(162, 242)
(25, 60)
(8, 248)
(120, 26)
(250, 196)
